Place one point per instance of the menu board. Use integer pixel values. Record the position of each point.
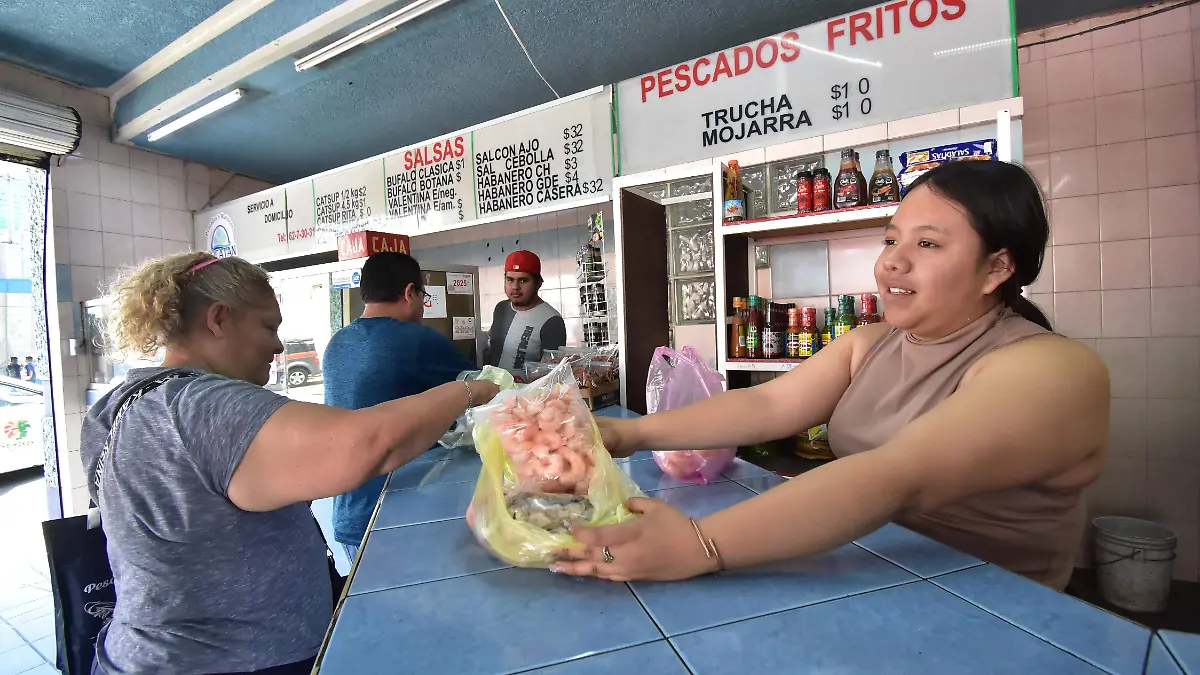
(429, 186)
(548, 157)
(883, 63)
(348, 200)
(542, 159)
(252, 227)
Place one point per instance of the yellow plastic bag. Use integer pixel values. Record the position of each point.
(461, 433)
(519, 542)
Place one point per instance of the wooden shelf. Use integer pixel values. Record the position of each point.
(762, 365)
(862, 217)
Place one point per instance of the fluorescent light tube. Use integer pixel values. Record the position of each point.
(203, 111)
(368, 33)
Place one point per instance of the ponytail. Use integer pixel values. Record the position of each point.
(1021, 305)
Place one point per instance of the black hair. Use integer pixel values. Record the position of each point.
(385, 276)
(1006, 210)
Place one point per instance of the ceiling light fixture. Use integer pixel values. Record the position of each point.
(368, 33)
(203, 111)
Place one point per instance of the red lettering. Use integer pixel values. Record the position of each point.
(664, 83)
(696, 72)
(834, 32)
(683, 78)
(959, 4)
(459, 148)
(738, 53)
(918, 22)
(790, 48)
(879, 22)
(895, 8)
(647, 86)
(860, 24)
(722, 67)
(758, 53)
(408, 160)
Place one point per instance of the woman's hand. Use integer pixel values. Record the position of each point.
(618, 436)
(660, 546)
(482, 391)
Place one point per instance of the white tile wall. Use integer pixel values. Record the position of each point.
(111, 206)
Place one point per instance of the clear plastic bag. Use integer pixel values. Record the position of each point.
(544, 468)
(676, 379)
(460, 435)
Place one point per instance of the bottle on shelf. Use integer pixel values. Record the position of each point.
(802, 338)
(735, 210)
(822, 192)
(864, 194)
(804, 192)
(870, 310)
(830, 322)
(775, 331)
(848, 188)
(884, 188)
(845, 318)
(737, 341)
(754, 329)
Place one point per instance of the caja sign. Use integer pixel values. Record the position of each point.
(894, 60)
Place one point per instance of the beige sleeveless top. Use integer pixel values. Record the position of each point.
(1031, 530)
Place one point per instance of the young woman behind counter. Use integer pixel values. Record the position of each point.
(964, 417)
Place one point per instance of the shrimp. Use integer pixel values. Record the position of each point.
(576, 468)
(551, 440)
(555, 465)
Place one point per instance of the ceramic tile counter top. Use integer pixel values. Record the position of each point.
(426, 598)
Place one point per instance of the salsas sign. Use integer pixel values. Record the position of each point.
(894, 60)
(551, 157)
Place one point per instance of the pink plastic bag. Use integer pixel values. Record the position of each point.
(676, 379)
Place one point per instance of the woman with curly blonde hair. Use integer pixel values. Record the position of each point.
(203, 477)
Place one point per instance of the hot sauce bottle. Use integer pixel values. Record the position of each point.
(754, 329)
(884, 188)
(804, 192)
(735, 210)
(822, 191)
(870, 310)
(830, 322)
(845, 319)
(737, 342)
(802, 339)
(848, 188)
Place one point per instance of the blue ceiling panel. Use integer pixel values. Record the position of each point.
(94, 42)
(451, 70)
(265, 25)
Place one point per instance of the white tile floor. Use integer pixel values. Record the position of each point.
(26, 605)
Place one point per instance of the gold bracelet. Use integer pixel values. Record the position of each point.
(709, 546)
(470, 396)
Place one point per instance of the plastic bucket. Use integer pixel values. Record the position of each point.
(1134, 561)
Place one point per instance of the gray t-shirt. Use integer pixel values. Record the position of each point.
(202, 586)
(516, 338)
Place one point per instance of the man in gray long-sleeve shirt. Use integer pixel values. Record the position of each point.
(523, 325)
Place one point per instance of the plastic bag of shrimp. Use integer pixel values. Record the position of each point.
(460, 434)
(545, 469)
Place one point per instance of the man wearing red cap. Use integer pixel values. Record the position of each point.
(523, 325)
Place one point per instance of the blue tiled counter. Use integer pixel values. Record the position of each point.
(426, 598)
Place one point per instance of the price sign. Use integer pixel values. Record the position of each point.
(549, 157)
(435, 302)
(348, 200)
(460, 284)
(429, 186)
(884, 63)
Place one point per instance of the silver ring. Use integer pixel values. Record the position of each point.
(608, 557)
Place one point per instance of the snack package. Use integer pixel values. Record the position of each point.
(544, 469)
(914, 163)
(460, 435)
(676, 379)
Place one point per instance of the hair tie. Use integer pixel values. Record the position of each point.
(199, 266)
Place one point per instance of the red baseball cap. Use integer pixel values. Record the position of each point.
(523, 261)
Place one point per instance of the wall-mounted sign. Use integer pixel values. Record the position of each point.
(367, 243)
(887, 62)
(348, 200)
(553, 156)
(429, 186)
(435, 302)
(460, 284)
(463, 328)
(546, 158)
(344, 279)
(252, 227)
